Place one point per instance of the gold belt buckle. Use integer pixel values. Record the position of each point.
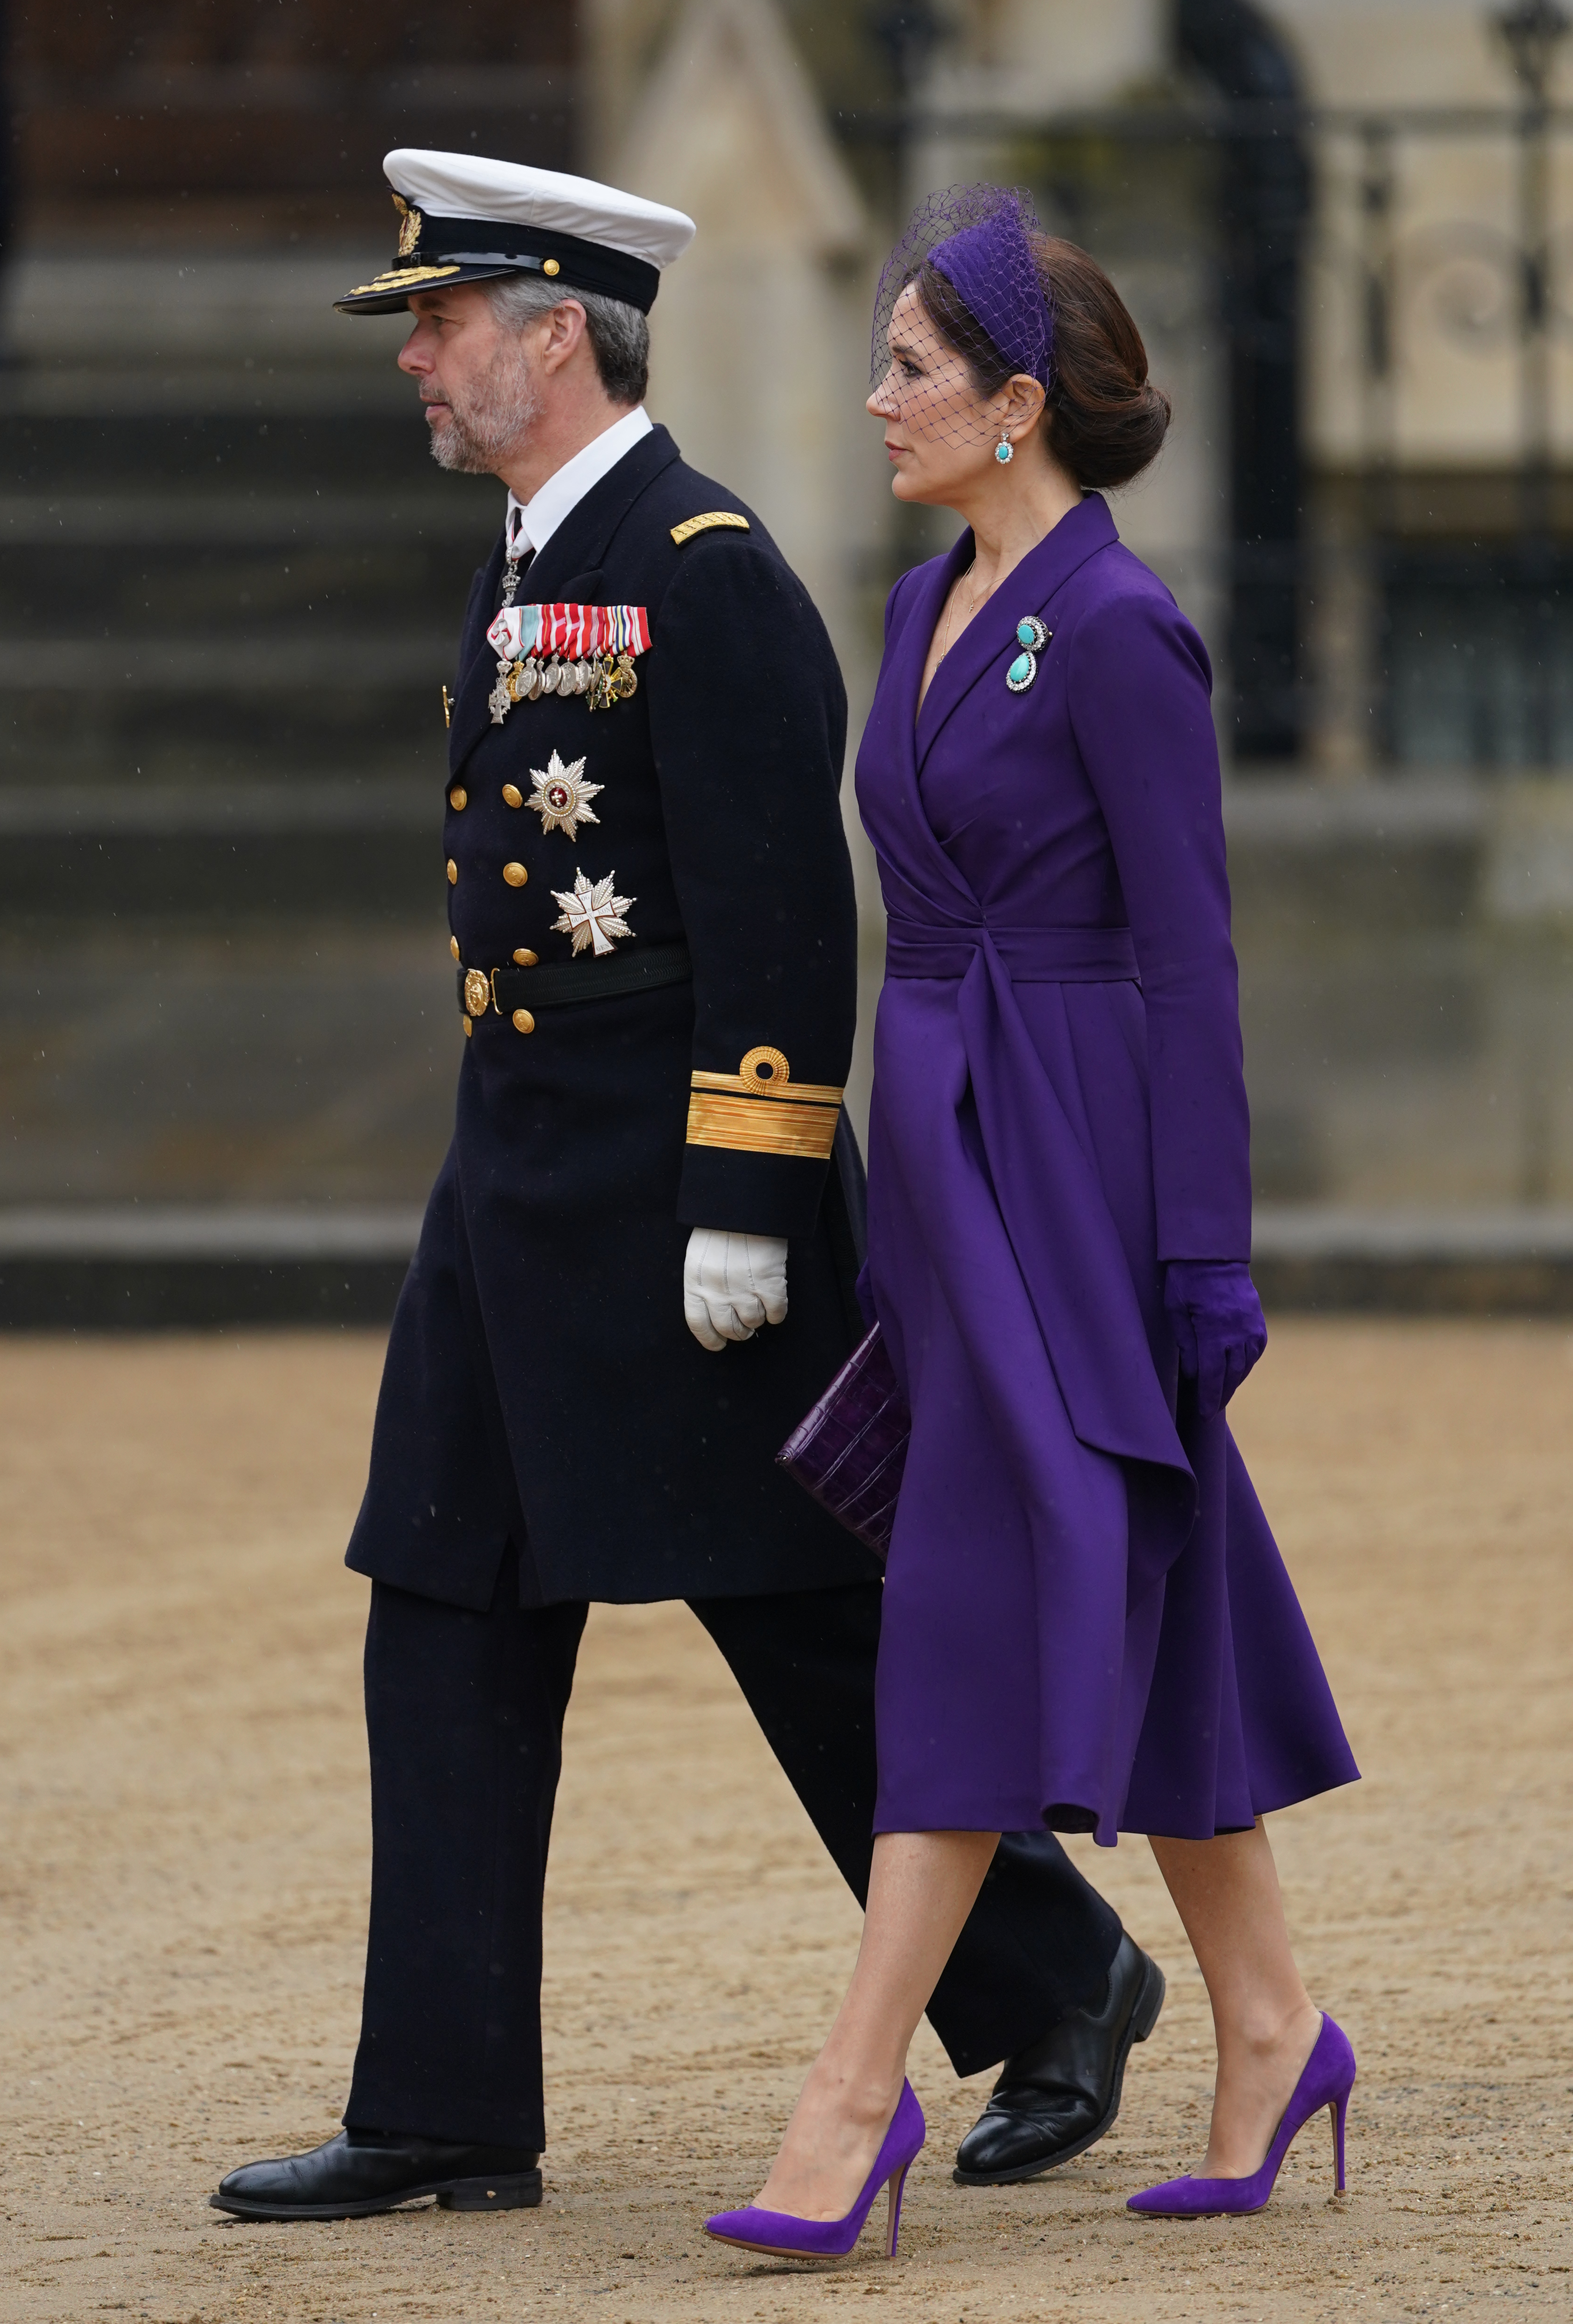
(477, 992)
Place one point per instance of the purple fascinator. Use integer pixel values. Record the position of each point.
(977, 238)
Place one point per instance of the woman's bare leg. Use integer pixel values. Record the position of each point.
(922, 1886)
(1226, 1891)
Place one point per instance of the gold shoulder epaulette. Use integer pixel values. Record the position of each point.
(760, 1110)
(687, 529)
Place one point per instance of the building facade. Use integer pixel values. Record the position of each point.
(233, 579)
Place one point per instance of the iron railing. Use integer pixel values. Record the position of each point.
(1470, 614)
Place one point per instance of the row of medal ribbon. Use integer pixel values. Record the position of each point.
(574, 632)
(565, 649)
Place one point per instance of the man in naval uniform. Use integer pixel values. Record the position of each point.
(636, 1269)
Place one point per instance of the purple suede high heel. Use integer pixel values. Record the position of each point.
(785, 2236)
(1327, 2081)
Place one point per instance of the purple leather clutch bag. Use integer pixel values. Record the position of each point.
(850, 1451)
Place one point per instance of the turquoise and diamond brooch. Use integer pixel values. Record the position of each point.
(1032, 637)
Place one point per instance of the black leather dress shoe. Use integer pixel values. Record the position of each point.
(365, 2170)
(1056, 2097)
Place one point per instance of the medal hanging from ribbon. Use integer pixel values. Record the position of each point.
(588, 649)
(499, 697)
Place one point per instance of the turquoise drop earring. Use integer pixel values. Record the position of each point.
(1005, 451)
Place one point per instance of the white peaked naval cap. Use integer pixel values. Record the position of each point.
(462, 218)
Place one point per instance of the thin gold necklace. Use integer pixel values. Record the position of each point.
(950, 608)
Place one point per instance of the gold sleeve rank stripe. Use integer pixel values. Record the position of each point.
(760, 1110)
(723, 517)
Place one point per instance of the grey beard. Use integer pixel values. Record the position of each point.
(478, 437)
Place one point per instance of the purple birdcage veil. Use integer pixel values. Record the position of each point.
(976, 237)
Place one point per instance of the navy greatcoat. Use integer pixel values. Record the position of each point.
(542, 1385)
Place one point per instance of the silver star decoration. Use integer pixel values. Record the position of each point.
(561, 796)
(592, 915)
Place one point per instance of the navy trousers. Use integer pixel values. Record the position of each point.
(465, 1713)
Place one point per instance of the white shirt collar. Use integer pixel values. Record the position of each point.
(530, 524)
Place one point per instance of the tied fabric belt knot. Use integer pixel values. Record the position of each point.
(1029, 956)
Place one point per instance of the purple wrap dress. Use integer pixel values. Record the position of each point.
(1087, 1622)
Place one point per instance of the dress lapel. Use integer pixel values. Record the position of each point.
(581, 541)
(989, 638)
(910, 857)
(578, 544)
(477, 664)
(919, 634)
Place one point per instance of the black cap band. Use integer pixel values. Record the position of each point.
(470, 250)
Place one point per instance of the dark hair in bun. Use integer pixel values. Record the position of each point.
(1103, 420)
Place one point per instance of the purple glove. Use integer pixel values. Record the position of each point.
(1217, 1324)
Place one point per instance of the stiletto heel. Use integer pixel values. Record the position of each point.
(892, 2224)
(1339, 2112)
(1326, 2080)
(785, 2236)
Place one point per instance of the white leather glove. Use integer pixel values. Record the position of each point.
(732, 1283)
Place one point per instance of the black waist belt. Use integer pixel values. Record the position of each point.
(562, 981)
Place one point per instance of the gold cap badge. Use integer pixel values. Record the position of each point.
(410, 223)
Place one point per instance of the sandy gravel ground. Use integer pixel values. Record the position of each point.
(184, 1871)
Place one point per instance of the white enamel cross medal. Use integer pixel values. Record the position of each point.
(592, 915)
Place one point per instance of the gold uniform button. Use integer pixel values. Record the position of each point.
(550, 266)
(453, 947)
(522, 1021)
(515, 874)
(524, 957)
(459, 798)
(452, 872)
(468, 1029)
(513, 794)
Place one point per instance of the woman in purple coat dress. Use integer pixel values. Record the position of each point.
(1086, 1621)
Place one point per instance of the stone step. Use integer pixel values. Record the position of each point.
(150, 1266)
(376, 875)
(270, 659)
(363, 851)
(230, 810)
(234, 631)
(114, 523)
(191, 437)
(131, 1268)
(1484, 1261)
(276, 600)
(291, 703)
(275, 1059)
(275, 567)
